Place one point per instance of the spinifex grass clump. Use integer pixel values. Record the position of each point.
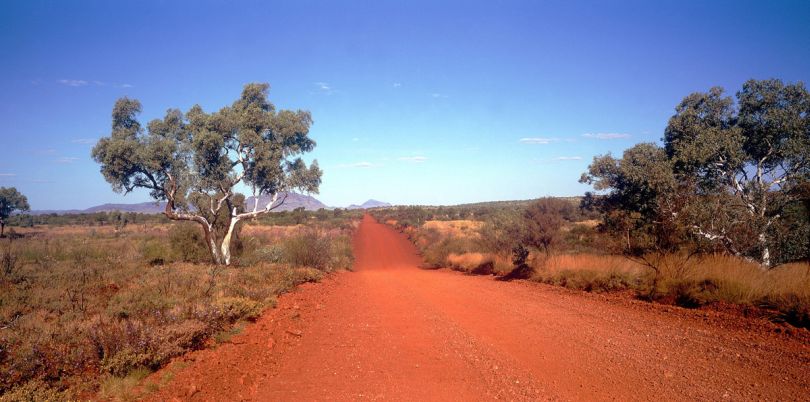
(80, 305)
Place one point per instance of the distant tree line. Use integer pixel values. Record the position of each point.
(111, 218)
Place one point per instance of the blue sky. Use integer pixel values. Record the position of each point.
(413, 102)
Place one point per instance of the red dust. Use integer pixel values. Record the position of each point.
(391, 331)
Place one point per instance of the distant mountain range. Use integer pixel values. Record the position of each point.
(293, 201)
(369, 204)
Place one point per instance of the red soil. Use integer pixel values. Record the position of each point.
(393, 331)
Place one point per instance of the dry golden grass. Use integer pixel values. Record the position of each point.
(479, 263)
(270, 233)
(746, 282)
(699, 280)
(591, 223)
(589, 262)
(83, 305)
(459, 228)
(467, 261)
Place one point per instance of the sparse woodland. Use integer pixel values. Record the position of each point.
(719, 214)
(94, 306)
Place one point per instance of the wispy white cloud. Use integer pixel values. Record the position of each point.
(73, 83)
(606, 136)
(66, 159)
(437, 95)
(324, 88)
(538, 140)
(355, 139)
(46, 151)
(415, 159)
(397, 84)
(361, 165)
(82, 83)
(8, 174)
(85, 141)
(568, 158)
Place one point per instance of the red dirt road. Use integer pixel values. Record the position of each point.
(392, 331)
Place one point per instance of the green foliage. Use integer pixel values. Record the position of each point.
(235, 308)
(522, 270)
(88, 219)
(638, 182)
(757, 153)
(318, 250)
(726, 177)
(500, 233)
(34, 391)
(11, 200)
(436, 253)
(195, 160)
(187, 243)
(543, 220)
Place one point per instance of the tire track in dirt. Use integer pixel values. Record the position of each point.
(391, 331)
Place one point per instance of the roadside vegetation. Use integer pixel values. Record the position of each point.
(582, 254)
(719, 214)
(86, 309)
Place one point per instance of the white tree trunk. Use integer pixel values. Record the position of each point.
(226, 241)
(766, 253)
(212, 244)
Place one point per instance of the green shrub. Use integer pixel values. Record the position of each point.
(34, 391)
(435, 253)
(233, 309)
(187, 243)
(155, 252)
(127, 360)
(308, 249)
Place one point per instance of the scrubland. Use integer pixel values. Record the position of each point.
(579, 260)
(88, 310)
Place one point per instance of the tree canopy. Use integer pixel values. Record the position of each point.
(195, 160)
(729, 171)
(11, 200)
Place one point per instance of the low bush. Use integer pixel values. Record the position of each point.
(792, 309)
(580, 263)
(34, 390)
(692, 293)
(435, 253)
(317, 249)
(188, 243)
(96, 308)
(473, 263)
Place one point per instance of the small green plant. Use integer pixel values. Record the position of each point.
(522, 270)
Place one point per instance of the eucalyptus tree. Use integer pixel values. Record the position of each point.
(642, 200)
(754, 152)
(196, 161)
(11, 200)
